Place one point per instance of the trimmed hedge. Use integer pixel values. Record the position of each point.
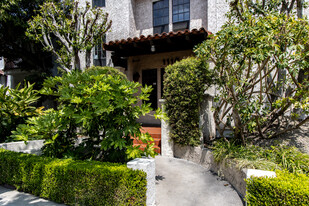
(73, 182)
(184, 85)
(286, 189)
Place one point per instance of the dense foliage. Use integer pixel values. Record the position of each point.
(16, 105)
(73, 182)
(184, 85)
(100, 104)
(255, 157)
(15, 46)
(286, 189)
(69, 30)
(261, 59)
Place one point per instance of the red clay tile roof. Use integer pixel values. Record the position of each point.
(164, 35)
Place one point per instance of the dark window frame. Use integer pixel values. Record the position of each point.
(99, 55)
(98, 3)
(181, 11)
(160, 16)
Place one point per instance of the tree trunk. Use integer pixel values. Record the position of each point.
(238, 131)
(300, 9)
(76, 64)
(88, 58)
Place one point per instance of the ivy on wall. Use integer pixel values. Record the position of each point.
(184, 85)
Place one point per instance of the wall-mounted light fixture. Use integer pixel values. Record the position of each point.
(153, 48)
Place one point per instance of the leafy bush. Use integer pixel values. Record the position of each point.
(184, 85)
(16, 105)
(101, 104)
(52, 126)
(255, 157)
(73, 182)
(286, 189)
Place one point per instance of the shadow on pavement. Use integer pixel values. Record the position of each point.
(9, 197)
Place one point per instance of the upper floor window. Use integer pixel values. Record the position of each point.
(160, 16)
(99, 55)
(181, 14)
(98, 3)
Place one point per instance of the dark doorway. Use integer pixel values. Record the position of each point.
(150, 78)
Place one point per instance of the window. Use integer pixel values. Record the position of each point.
(98, 3)
(181, 14)
(99, 55)
(160, 16)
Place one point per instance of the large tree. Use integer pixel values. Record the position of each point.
(261, 57)
(69, 31)
(14, 44)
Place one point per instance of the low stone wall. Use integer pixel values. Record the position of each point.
(198, 155)
(32, 147)
(232, 174)
(227, 170)
(147, 165)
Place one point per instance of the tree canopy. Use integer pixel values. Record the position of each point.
(261, 57)
(68, 30)
(14, 44)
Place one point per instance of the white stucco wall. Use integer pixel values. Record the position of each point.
(142, 18)
(198, 14)
(216, 10)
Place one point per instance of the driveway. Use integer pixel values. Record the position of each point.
(183, 183)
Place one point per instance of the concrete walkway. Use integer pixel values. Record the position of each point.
(183, 183)
(10, 197)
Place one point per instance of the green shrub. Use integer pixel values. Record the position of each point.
(52, 126)
(16, 105)
(255, 157)
(184, 85)
(103, 104)
(73, 182)
(286, 189)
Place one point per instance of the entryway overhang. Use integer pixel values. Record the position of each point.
(157, 43)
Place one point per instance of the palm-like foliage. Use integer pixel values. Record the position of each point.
(16, 105)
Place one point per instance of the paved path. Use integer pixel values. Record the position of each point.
(10, 197)
(182, 183)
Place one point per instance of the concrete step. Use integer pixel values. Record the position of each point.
(156, 148)
(151, 130)
(155, 133)
(157, 141)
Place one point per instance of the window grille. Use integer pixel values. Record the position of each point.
(181, 10)
(160, 16)
(99, 55)
(98, 3)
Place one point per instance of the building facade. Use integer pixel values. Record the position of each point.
(148, 35)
